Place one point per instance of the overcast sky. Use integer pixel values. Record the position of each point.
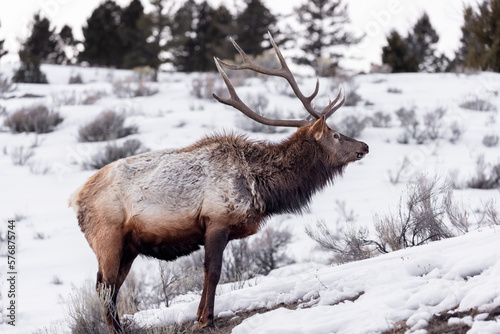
(375, 18)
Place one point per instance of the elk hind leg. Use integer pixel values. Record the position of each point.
(113, 269)
(215, 242)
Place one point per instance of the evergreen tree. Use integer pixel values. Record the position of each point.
(102, 44)
(416, 52)
(161, 19)
(254, 22)
(224, 26)
(194, 45)
(66, 44)
(325, 21)
(135, 29)
(397, 55)
(421, 43)
(480, 40)
(39, 46)
(182, 30)
(201, 43)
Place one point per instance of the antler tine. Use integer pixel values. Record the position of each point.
(283, 72)
(331, 107)
(235, 102)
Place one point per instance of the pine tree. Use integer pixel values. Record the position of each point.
(102, 43)
(135, 29)
(182, 28)
(480, 40)
(39, 46)
(194, 45)
(161, 19)
(224, 26)
(254, 22)
(202, 42)
(66, 44)
(421, 43)
(416, 52)
(324, 23)
(396, 54)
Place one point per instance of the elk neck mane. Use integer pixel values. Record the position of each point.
(289, 173)
(285, 175)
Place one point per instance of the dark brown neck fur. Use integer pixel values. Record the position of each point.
(289, 173)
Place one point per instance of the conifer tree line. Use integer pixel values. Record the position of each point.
(188, 34)
(479, 45)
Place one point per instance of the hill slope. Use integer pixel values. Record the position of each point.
(54, 257)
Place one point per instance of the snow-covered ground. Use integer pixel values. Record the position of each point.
(407, 285)
(367, 296)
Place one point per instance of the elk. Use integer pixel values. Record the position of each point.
(167, 203)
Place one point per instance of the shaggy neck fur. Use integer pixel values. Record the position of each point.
(288, 174)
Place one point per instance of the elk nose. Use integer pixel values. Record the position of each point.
(365, 148)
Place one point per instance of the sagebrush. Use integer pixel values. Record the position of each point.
(112, 152)
(427, 213)
(37, 118)
(108, 125)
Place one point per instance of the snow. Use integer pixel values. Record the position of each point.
(361, 297)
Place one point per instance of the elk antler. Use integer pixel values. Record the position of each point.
(283, 72)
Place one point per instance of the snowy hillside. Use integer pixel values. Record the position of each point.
(405, 287)
(368, 296)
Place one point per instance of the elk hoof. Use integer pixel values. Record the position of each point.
(206, 326)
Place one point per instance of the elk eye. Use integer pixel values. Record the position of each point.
(336, 136)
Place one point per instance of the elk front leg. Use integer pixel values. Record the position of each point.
(215, 242)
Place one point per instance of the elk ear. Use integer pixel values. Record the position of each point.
(319, 127)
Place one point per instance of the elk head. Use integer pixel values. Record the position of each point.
(340, 148)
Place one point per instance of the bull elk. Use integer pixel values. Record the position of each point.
(166, 204)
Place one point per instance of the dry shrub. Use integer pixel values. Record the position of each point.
(269, 249)
(347, 245)
(490, 140)
(419, 220)
(487, 175)
(71, 98)
(352, 126)
(352, 96)
(106, 126)
(204, 85)
(86, 310)
(37, 118)
(177, 278)
(113, 152)
(131, 87)
(20, 155)
(259, 102)
(92, 96)
(245, 259)
(6, 86)
(421, 217)
(394, 90)
(421, 130)
(477, 104)
(380, 120)
(75, 79)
